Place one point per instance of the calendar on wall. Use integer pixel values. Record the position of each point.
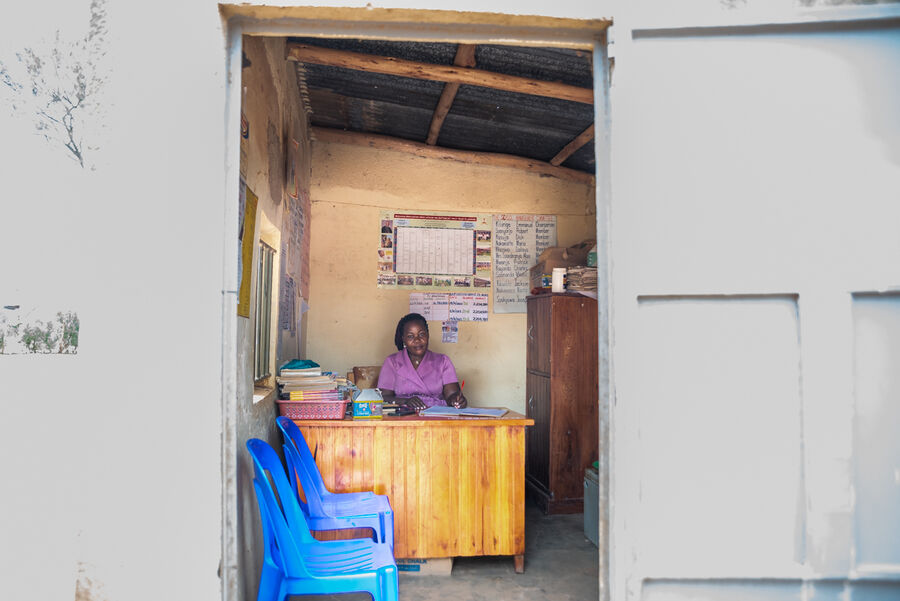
(434, 251)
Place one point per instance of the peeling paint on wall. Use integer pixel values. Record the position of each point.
(28, 329)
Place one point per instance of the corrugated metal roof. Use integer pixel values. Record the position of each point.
(480, 118)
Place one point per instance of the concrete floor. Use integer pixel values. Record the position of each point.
(560, 565)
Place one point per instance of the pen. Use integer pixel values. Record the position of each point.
(459, 396)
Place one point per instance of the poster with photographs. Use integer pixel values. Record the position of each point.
(434, 251)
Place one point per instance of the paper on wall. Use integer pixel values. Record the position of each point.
(431, 306)
(518, 241)
(449, 306)
(449, 332)
(468, 307)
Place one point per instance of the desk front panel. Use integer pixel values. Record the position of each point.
(457, 487)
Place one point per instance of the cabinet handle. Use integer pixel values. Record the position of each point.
(530, 337)
(530, 403)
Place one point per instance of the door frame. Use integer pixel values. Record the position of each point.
(422, 26)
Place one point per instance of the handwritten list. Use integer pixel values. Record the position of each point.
(449, 306)
(431, 306)
(468, 307)
(518, 241)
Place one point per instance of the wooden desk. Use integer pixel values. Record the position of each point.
(456, 485)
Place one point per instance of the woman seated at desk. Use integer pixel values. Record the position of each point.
(415, 376)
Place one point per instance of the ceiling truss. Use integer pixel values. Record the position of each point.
(462, 71)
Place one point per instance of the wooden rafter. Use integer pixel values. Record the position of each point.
(305, 53)
(323, 134)
(465, 57)
(570, 148)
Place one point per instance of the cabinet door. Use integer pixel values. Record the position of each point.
(575, 394)
(574, 340)
(537, 437)
(538, 343)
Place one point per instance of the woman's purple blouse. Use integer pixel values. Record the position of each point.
(427, 382)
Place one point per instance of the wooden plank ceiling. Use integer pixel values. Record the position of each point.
(499, 102)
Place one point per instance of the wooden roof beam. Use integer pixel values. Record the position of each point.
(338, 136)
(305, 53)
(570, 148)
(465, 57)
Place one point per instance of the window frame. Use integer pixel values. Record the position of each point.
(262, 338)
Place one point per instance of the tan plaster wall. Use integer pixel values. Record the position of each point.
(269, 102)
(351, 321)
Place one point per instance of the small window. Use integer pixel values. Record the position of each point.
(266, 259)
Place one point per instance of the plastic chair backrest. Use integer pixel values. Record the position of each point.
(272, 546)
(299, 471)
(294, 467)
(281, 502)
(293, 435)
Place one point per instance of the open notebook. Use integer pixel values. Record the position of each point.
(464, 412)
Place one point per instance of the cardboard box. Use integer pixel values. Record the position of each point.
(366, 376)
(367, 404)
(367, 410)
(439, 566)
(557, 256)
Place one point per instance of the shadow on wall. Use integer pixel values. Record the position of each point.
(882, 94)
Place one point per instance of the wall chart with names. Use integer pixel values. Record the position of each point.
(518, 241)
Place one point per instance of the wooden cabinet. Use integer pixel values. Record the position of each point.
(562, 399)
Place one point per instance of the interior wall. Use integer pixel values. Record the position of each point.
(269, 103)
(351, 321)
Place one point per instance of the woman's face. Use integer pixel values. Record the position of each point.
(415, 337)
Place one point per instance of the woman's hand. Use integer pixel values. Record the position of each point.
(453, 396)
(457, 400)
(413, 402)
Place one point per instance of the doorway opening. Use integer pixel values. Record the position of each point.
(480, 126)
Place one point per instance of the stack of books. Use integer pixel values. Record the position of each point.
(316, 395)
(305, 376)
(581, 278)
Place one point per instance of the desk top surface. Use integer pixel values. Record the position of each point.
(511, 418)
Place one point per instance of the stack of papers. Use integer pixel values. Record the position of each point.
(464, 412)
(581, 278)
(310, 383)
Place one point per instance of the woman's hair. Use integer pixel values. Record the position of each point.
(398, 335)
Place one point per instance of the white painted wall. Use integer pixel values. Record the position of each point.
(112, 457)
(755, 178)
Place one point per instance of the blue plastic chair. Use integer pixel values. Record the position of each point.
(295, 563)
(324, 509)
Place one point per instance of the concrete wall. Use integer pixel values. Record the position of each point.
(271, 106)
(352, 322)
